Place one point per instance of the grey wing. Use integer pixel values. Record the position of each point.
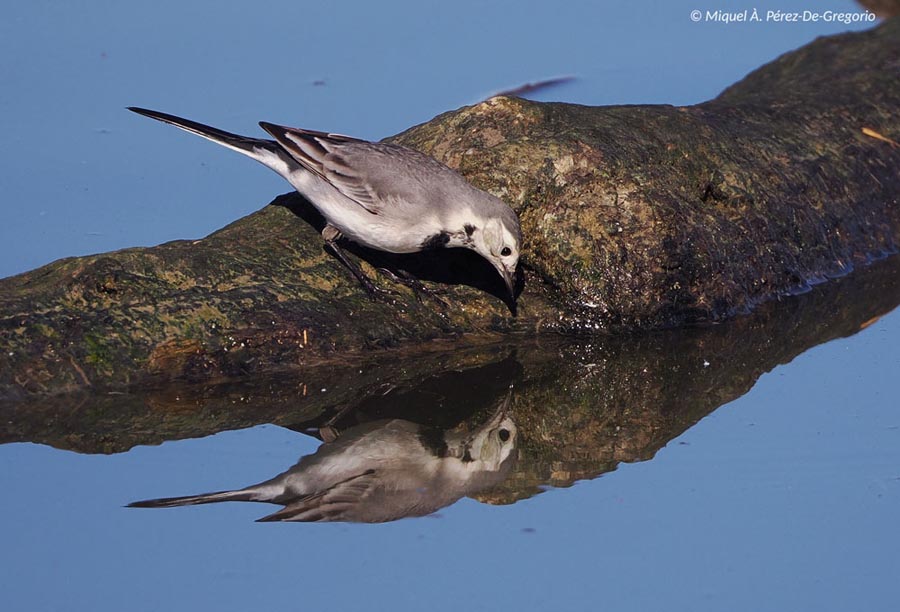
(372, 174)
(329, 156)
(335, 503)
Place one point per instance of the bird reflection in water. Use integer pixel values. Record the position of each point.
(382, 471)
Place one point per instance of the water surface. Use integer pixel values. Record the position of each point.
(752, 465)
(749, 466)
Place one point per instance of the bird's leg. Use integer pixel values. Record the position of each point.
(331, 235)
(329, 433)
(405, 278)
(328, 430)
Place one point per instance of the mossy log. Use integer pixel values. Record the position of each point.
(582, 406)
(634, 217)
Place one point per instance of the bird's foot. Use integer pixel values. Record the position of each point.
(405, 278)
(375, 292)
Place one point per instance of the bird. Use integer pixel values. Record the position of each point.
(381, 471)
(383, 196)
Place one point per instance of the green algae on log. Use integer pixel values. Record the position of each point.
(635, 217)
(582, 406)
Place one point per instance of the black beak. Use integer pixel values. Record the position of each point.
(510, 279)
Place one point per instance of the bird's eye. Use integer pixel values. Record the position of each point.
(503, 434)
(505, 251)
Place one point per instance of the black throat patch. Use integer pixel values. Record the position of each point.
(433, 439)
(436, 241)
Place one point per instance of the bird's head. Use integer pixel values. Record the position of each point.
(498, 241)
(490, 447)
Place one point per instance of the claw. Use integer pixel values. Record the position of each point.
(405, 278)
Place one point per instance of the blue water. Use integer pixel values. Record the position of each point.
(784, 499)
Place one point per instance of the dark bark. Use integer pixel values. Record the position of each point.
(635, 217)
(581, 406)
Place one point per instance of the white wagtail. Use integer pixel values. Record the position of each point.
(383, 196)
(381, 471)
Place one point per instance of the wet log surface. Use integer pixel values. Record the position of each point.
(581, 406)
(635, 218)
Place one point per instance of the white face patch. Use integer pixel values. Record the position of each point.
(508, 251)
(493, 237)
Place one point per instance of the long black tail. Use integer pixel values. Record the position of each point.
(191, 500)
(259, 149)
